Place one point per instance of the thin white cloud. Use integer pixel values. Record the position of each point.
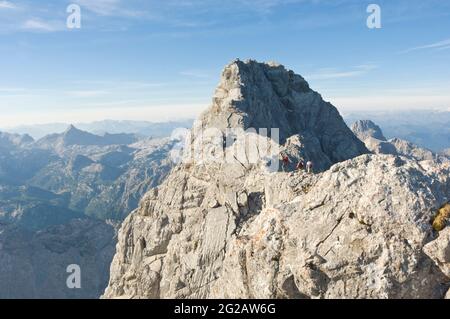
(333, 73)
(390, 102)
(102, 7)
(39, 25)
(109, 8)
(7, 5)
(11, 89)
(93, 88)
(87, 93)
(199, 74)
(154, 113)
(443, 48)
(445, 44)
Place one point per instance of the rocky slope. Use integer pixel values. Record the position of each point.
(237, 228)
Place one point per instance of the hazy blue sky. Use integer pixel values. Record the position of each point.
(155, 60)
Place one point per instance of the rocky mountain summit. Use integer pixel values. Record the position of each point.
(227, 223)
(265, 96)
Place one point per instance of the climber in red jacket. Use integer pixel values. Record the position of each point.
(285, 161)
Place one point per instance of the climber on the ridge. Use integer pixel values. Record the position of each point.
(300, 166)
(285, 162)
(309, 167)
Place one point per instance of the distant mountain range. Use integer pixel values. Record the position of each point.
(143, 128)
(86, 167)
(426, 128)
(59, 199)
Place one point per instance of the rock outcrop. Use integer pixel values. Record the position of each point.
(439, 251)
(234, 227)
(365, 129)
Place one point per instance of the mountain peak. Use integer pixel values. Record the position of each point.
(255, 95)
(72, 136)
(75, 136)
(72, 128)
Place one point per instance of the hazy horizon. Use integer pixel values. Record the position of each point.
(195, 112)
(192, 114)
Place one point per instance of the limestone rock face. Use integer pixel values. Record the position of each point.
(240, 229)
(350, 236)
(356, 231)
(439, 251)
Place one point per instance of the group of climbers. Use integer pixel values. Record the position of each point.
(285, 161)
